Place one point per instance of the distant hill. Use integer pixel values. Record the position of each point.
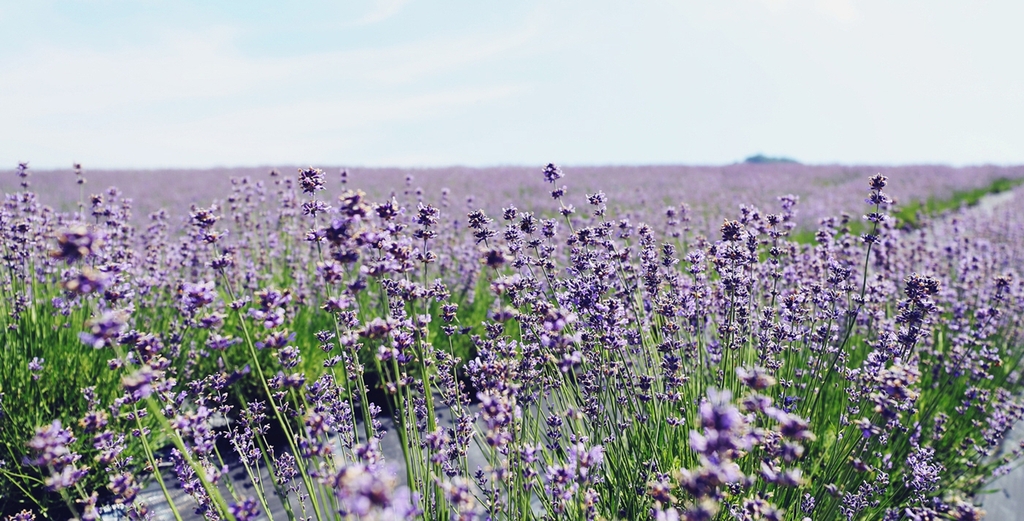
(761, 158)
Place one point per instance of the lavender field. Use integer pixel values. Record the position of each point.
(752, 342)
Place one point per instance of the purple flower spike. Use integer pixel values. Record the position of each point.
(103, 330)
(552, 173)
(245, 510)
(311, 180)
(36, 366)
(76, 243)
(50, 451)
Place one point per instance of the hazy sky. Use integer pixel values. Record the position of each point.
(150, 83)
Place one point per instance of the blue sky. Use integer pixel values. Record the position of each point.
(150, 83)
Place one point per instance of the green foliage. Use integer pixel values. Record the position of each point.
(763, 159)
(913, 213)
(27, 403)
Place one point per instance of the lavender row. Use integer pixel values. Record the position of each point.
(711, 192)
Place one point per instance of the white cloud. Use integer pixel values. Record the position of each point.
(407, 63)
(208, 65)
(326, 115)
(776, 5)
(199, 95)
(307, 130)
(54, 80)
(826, 80)
(838, 10)
(382, 10)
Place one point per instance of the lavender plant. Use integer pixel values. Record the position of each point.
(549, 363)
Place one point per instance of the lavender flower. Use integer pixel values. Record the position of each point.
(756, 378)
(50, 449)
(139, 385)
(552, 173)
(36, 366)
(197, 295)
(245, 510)
(24, 515)
(103, 330)
(77, 243)
(370, 493)
(924, 473)
(311, 180)
(87, 281)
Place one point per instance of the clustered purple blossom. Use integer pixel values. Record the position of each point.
(101, 331)
(370, 492)
(36, 366)
(76, 243)
(51, 450)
